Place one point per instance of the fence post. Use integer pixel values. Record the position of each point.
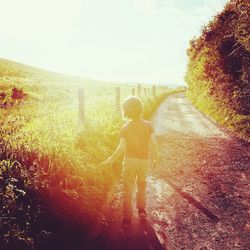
(139, 90)
(81, 105)
(133, 91)
(154, 90)
(117, 99)
(145, 91)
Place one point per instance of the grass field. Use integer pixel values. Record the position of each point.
(52, 184)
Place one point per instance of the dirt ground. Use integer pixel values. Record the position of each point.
(198, 198)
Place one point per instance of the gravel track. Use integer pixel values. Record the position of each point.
(199, 196)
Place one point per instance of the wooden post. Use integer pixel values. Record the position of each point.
(139, 89)
(133, 91)
(145, 91)
(154, 90)
(81, 105)
(117, 99)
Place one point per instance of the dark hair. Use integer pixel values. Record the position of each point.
(132, 107)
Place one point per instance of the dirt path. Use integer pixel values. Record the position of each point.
(198, 198)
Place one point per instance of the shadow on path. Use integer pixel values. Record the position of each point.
(192, 201)
(140, 236)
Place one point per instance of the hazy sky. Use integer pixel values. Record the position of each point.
(114, 40)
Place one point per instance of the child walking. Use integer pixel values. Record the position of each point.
(138, 144)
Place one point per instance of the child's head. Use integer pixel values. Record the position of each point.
(132, 108)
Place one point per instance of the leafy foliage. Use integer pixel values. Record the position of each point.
(11, 97)
(218, 73)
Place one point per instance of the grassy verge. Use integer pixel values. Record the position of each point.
(237, 124)
(51, 184)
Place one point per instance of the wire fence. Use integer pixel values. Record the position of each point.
(138, 90)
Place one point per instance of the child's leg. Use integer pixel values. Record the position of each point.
(142, 170)
(129, 175)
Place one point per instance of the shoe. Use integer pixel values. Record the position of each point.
(126, 223)
(142, 213)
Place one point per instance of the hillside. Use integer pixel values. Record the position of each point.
(10, 70)
(52, 186)
(47, 87)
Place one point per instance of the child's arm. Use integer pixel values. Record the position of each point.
(119, 150)
(153, 146)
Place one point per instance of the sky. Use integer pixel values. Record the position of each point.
(141, 41)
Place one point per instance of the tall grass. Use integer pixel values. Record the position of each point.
(52, 184)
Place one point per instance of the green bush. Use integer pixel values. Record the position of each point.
(219, 68)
